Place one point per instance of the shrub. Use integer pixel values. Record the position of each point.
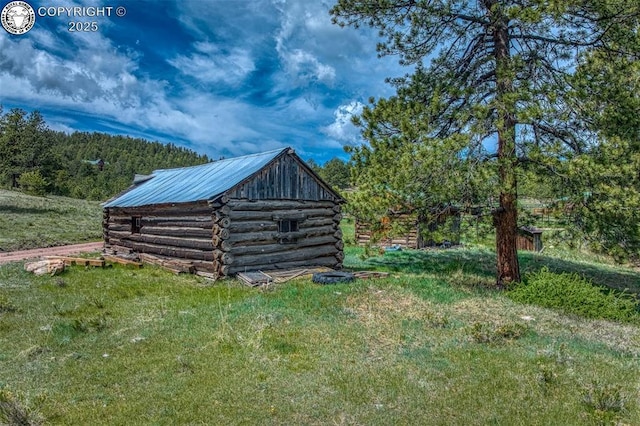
(33, 183)
(574, 294)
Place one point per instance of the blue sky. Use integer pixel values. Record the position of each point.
(222, 77)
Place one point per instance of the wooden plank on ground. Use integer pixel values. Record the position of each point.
(254, 279)
(116, 259)
(208, 275)
(289, 274)
(78, 261)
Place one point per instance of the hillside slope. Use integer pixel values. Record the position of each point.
(29, 222)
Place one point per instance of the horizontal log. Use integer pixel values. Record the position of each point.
(340, 256)
(168, 263)
(307, 253)
(118, 228)
(265, 225)
(177, 231)
(163, 210)
(327, 261)
(253, 226)
(194, 243)
(317, 221)
(119, 248)
(188, 224)
(300, 217)
(178, 253)
(252, 237)
(245, 250)
(120, 220)
(261, 236)
(183, 221)
(321, 230)
(173, 260)
(264, 205)
(148, 220)
(240, 215)
(339, 245)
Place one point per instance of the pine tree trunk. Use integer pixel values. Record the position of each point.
(506, 217)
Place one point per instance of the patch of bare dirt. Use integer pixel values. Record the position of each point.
(15, 256)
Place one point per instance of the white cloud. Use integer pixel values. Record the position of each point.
(342, 129)
(209, 64)
(306, 68)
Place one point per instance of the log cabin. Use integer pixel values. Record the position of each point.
(257, 212)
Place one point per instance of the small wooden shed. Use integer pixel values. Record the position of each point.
(258, 212)
(529, 238)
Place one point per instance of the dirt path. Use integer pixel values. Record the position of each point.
(14, 256)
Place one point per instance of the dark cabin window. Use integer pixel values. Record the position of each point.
(136, 224)
(286, 227)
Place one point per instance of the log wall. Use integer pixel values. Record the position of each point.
(248, 236)
(168, 232)
(229, 237)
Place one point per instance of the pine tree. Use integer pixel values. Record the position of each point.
(489, 70)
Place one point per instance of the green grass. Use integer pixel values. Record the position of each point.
(428, 345)
(30, 222)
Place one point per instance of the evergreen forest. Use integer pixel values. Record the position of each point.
(92, 166)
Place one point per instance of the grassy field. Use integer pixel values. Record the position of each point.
(29, 222)
(430, 344)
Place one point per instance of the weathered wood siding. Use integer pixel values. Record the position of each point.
(284, 179)
(385, 236)
(247, 237)
(529, 241)
(181, 231)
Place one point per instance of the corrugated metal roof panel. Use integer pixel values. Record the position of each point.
(197, 183)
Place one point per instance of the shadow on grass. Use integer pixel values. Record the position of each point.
(482, 263)
(26, 210)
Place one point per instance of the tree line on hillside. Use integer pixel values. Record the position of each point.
(94, 166)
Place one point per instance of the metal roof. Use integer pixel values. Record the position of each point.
(197, 183)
